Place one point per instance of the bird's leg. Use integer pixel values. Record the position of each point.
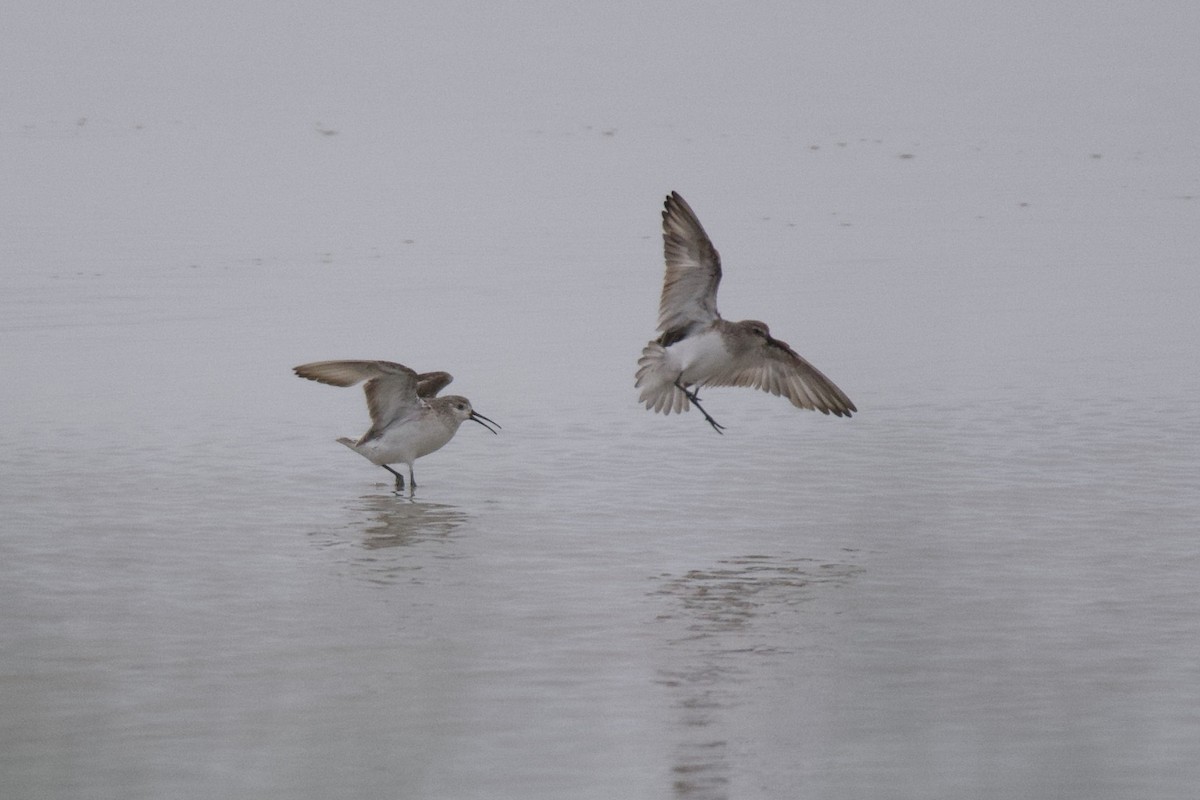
(694, 396)
(411, 480)
(399, 477)
(716, 426)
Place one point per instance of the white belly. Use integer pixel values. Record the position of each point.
(404, 444)
(699, 357)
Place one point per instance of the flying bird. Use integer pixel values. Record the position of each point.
(698, 348)
(408, 420)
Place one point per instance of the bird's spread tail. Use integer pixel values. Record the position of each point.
(657, 379)
(346, 440)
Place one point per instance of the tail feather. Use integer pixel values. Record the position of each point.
(656, 378)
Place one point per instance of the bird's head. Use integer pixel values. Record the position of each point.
(460, 408)
(757, 328)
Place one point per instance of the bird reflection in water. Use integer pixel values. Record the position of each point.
(396, 521)
(725, 621)
(397, 536)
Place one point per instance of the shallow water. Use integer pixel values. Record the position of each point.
(974, 598)
(982, 585)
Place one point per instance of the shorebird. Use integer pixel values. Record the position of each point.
(408, 420)
(698, 348)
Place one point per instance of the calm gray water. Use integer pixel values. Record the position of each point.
(982, 226)
(206, 596)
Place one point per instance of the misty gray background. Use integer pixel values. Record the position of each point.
(980, 220)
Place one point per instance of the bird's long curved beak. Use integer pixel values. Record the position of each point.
(482, 420)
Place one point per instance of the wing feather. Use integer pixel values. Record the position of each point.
(430, 383)
(693, 272)
(776, 368)
(391, 388)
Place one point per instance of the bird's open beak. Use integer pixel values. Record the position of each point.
(482, 420)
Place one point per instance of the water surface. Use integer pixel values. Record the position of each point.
(982, 585)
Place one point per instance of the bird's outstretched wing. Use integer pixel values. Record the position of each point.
(430, 383)
(689, 294)
(391, 388)
(776, 368)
